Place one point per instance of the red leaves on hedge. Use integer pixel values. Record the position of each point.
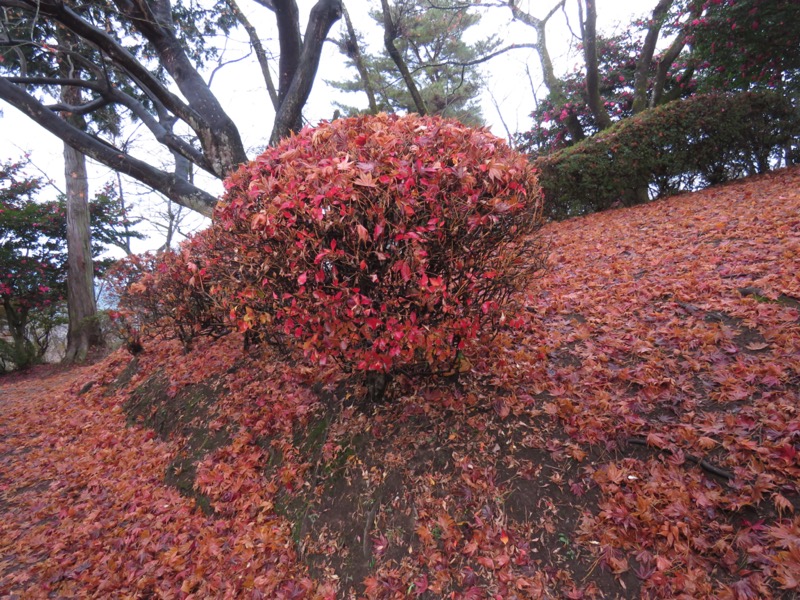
(380, 242)
(165, 295)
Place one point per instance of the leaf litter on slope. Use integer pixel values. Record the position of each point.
(580, 458)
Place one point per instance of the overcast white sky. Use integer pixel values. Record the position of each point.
(241, 90)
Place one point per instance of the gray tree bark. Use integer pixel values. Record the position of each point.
(645, 60)
(216, 146)
(84, 327)
(389, 36)
(553, 83)
(589, 33)
(358, 60)
(298, 71)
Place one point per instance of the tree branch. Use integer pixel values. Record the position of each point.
(676, 92)
(82, 109)
(268, 4)
(502, 120)
(115, 95)
(102, 40)
(218, 135)
(358, 60)
(161, 133)
(553, 83)
(473, 62)
(89, 85)
(178, 190)
(465, 6)
(664, 64)
(529, 19)
(645, 59)
(221, 64)
(389, 36)
(324, 14)
(258, 48)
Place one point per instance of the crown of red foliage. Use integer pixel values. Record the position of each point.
(383, 242)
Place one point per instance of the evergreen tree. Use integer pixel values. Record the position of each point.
(714, 45)
(33, 261)
(747, 44)
(430, 42)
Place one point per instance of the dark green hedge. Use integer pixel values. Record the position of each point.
(687, 144)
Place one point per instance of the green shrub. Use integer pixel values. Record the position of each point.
(687, 144)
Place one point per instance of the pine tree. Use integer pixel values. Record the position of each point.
(430, 43)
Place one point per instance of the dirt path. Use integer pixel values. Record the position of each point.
(25, 400)
(68, 470)
(85, 511)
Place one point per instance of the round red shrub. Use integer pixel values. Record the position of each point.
(165, 295)
(382, 242)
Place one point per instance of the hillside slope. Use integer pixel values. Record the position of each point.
(639, 436)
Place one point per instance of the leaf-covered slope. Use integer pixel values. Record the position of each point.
(638, 436)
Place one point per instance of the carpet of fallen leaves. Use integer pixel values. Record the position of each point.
(638, 436)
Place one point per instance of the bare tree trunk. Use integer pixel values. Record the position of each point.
(389, 36)
(589, 32)
(554, 85)
(645, 60)
(355, 53)
(298, 64)
(84, 328)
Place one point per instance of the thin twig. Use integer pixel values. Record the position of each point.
(701, 462)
